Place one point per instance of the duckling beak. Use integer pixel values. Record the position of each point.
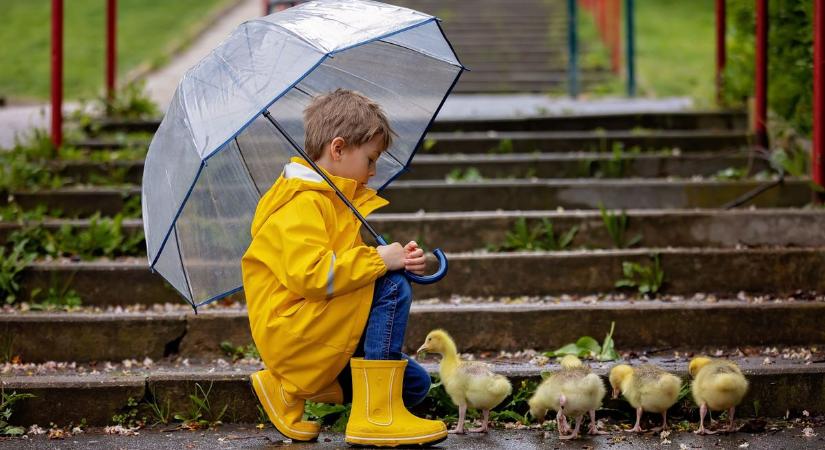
(422, 349)
(616, 393)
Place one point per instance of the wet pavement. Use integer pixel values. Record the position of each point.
(234, 436)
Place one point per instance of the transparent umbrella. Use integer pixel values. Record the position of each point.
(236, 119)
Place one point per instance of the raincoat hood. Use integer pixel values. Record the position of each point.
(298, 177)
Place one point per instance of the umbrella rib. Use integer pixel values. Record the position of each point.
(246, 166)
(182, 267)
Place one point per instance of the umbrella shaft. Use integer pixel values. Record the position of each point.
(378, 237)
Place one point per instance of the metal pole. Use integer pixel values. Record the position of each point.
(111, 48)
(761, 88)
(57, 73)
(572, 50)
(630, 33)
(817, 167)
(721, 24)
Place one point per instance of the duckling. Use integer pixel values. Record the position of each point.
(718, 385)
(574, 390)
(646, 388)
(468, 383)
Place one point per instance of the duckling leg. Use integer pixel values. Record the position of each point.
(483, 427)
(575, 433)
(638, 427)
(561, 423)
(664, 426)
(731, 426)
(459, 428)
(593, 428)
(703, 409)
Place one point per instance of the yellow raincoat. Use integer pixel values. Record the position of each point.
(308, 276)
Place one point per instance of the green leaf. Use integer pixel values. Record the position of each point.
(589, 344)
(569, 349)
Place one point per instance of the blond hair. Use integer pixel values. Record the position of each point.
(346, 114)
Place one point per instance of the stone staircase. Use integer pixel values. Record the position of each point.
(744, 283)
(513, 46)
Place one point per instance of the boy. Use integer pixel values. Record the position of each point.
(328, 313)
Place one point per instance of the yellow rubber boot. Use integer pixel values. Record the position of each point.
(378, 417)
(285, 411)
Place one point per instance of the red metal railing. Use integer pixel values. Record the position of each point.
(111, 48)
(817, 167)
(57, 72)
(608, 18)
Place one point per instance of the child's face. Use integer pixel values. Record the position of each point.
(358, 162)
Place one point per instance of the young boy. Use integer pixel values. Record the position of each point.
(328, 313)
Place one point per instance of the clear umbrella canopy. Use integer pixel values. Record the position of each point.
(214, 154)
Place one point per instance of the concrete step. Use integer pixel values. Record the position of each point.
(542, 325)
(778, 434)
(547, 141)
(681, 120)
(494, 194)
(781, 389)
(544, 165)
(573, 141)
(686, 271)
(468, 231)
(579, 165)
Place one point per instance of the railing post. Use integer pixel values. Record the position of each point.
(817, 167)
(572, 50)
(57, 73)
(111, 48)
(761, 84)
(630, 35)
(721, 25)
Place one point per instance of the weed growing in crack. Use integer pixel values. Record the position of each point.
(646, 279)
(617, 226)
(7, 401)
(587, 347)
(201, 413)
(541, 237)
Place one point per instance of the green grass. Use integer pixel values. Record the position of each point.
(675, 51)
(146, 30)
(675, 48)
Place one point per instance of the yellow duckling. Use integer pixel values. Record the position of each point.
(646, 388)
(574, 390)
(718, 385)
(468, 383)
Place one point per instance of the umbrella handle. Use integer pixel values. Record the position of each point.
(438, 275)
(423, 279)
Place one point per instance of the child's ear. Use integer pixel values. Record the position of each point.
(336, 148)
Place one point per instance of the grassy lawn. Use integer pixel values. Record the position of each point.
(146, 30)
(675, 51)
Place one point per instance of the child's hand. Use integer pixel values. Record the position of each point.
(414, 259)
(393, 255)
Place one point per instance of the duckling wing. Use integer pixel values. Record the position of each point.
(484, 389)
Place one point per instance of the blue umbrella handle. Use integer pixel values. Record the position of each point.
(423, 279)
(438, 275)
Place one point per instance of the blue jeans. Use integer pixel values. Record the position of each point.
(383, 337)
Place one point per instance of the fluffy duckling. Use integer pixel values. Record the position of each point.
(718, 385)
(646, 388)
(574, 390)
(468, 383)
